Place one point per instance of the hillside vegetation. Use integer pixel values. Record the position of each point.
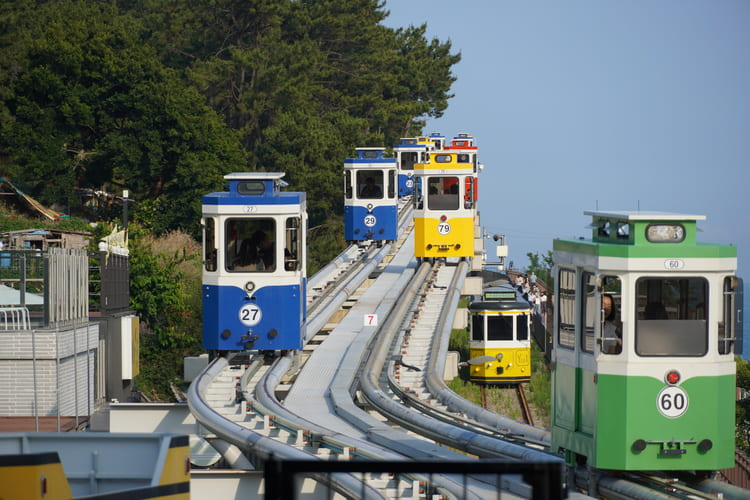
(163, 98)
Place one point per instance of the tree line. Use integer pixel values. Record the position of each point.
(164, 97)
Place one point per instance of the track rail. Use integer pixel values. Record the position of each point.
(527, 416)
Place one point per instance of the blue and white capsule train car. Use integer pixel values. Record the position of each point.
(254, 276)
(438, 140)
(370, 200)
(411, 150)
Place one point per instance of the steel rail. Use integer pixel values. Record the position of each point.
(258, 446)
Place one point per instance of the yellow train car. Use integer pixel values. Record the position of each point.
(445, 205)
(500, 347)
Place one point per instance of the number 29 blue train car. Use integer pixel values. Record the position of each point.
(370, 197)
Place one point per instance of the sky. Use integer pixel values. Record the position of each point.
(595, 104)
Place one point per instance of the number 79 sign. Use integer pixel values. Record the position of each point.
(371, 320)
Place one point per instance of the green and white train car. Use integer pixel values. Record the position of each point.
(646, 327)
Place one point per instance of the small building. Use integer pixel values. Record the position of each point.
(43, 239)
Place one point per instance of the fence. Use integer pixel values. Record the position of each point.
(59, 287)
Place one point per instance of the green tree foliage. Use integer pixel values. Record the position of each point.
(94, 107)
(163, 294)
(165, 97)
(541, 265)
(742, 421)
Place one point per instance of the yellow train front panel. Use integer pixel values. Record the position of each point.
(452, 237)
(33, 476)
(514, 366)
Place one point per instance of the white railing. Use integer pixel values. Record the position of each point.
(14, 318)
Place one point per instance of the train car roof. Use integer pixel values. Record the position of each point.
(254, 176)
(499, 305)
(281, 198)
(656, 235)
(259, 188)
(650, 216)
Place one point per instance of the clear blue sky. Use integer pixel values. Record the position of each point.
(591, 103)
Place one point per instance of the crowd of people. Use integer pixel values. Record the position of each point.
(535, 294)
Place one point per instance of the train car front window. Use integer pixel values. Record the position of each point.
(671, 317)
(408, 159)
(370, 184)
(500, 328)
(443, 193)
(250, 245)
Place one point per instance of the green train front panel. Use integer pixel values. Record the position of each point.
(631, 433)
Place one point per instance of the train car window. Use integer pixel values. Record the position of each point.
(566, 333)
(348, 184)
(589, 308)
(392, 184)
(408, 159)
(417, 196)
(370, 154)
(442, 158)
(293, 245)
(463, 158)
(250, 245)
(370, 184)
(522, 327)
(477, 327)
(469, 195)
(611, 323)
(730, 324)
(499, 327)
(671, 317)
(665, 233)
(251, 187)
(623, 230)
(209, 244)
(442, 193)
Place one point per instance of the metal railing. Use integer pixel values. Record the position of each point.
(545, 478)
(40, 289)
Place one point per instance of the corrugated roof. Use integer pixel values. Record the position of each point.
(27, 202)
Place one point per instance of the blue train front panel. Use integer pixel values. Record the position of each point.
(254, 278)
(370, 200)
(378, 223)
(266, 320)
(411, 150)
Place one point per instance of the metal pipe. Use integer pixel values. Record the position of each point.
(255, 444)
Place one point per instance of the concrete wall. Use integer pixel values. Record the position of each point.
(52, 370)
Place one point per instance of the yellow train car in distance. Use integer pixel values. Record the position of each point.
(445, 205)
(500, 346)
(64, 465)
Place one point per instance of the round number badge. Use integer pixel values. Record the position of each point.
(250, 314)
(672, 401)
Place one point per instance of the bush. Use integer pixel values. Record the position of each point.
(165, 284)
